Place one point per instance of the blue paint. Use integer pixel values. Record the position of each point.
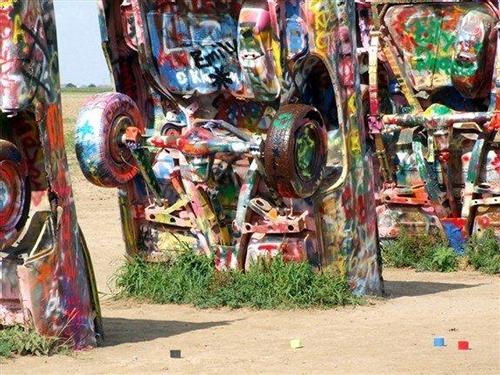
(4, 196)
(163, 167)
(202, 50)
(455, 237)
(394, 87)
(439, 342)
(296, 37)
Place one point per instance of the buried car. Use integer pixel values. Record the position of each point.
(46, 277)
(433, 78)
(236, 129)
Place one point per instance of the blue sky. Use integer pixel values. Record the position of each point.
(80, 55)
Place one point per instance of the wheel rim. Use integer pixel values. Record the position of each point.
(11, 196)
(307, 150)
(170, 130)
(119, 153)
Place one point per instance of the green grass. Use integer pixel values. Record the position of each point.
(483, 252)
(192, 279)
(440, 258)
(432, 253)
(17, 340)
(420, 251)
(89, 90)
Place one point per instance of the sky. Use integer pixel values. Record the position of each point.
(81, 59)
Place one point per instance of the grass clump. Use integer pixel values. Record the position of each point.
(192, 279)
(432, 253)
(483, 252)
(440, 258)
(420, 251)
(17, 340)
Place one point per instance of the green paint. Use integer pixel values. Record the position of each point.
(228, 194)
(306, 148)
(438, 110)
(283, 121)
(435, 48)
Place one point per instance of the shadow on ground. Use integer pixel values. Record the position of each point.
(396, 289)
(120, 331)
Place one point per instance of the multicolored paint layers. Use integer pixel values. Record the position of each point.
(236, 129)
(46, 277)
(432, 91)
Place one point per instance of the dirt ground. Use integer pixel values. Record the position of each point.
(386, 336)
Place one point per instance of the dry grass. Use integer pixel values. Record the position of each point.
(72, 103)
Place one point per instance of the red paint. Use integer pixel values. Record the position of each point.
(458, 222)
(267, 247)
(496, 162)
(483, 221)
(463, 345)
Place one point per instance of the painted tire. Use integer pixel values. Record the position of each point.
(295, 151)
(15, 195)
(103, 160)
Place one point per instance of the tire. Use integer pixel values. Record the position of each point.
(103, 160)
(15, 193)
(295, 151)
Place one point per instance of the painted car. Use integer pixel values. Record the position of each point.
(236, 129)
(46, 277)
(432, 93)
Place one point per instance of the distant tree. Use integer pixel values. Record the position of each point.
(70, 86)
(92, 86)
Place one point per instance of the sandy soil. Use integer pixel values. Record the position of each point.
(386, 336)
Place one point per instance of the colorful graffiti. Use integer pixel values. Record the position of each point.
(46, 277)
(237, 129)
(432, 97)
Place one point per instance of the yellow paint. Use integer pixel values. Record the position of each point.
(351, 104)
(323, 23)
(225, 237)
(355, 143)
(18, 33)
(277, 57)
(340, 265)
(176, 242)
(6, 3)
(296, 344)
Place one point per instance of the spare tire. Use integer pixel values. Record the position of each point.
(15, 194)
(295, 151)
(104, 161)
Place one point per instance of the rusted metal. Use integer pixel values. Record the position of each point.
(46, 277)
(265, 98)
(435, 66)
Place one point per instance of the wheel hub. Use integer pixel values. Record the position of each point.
(118, 152)
(10, 195)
